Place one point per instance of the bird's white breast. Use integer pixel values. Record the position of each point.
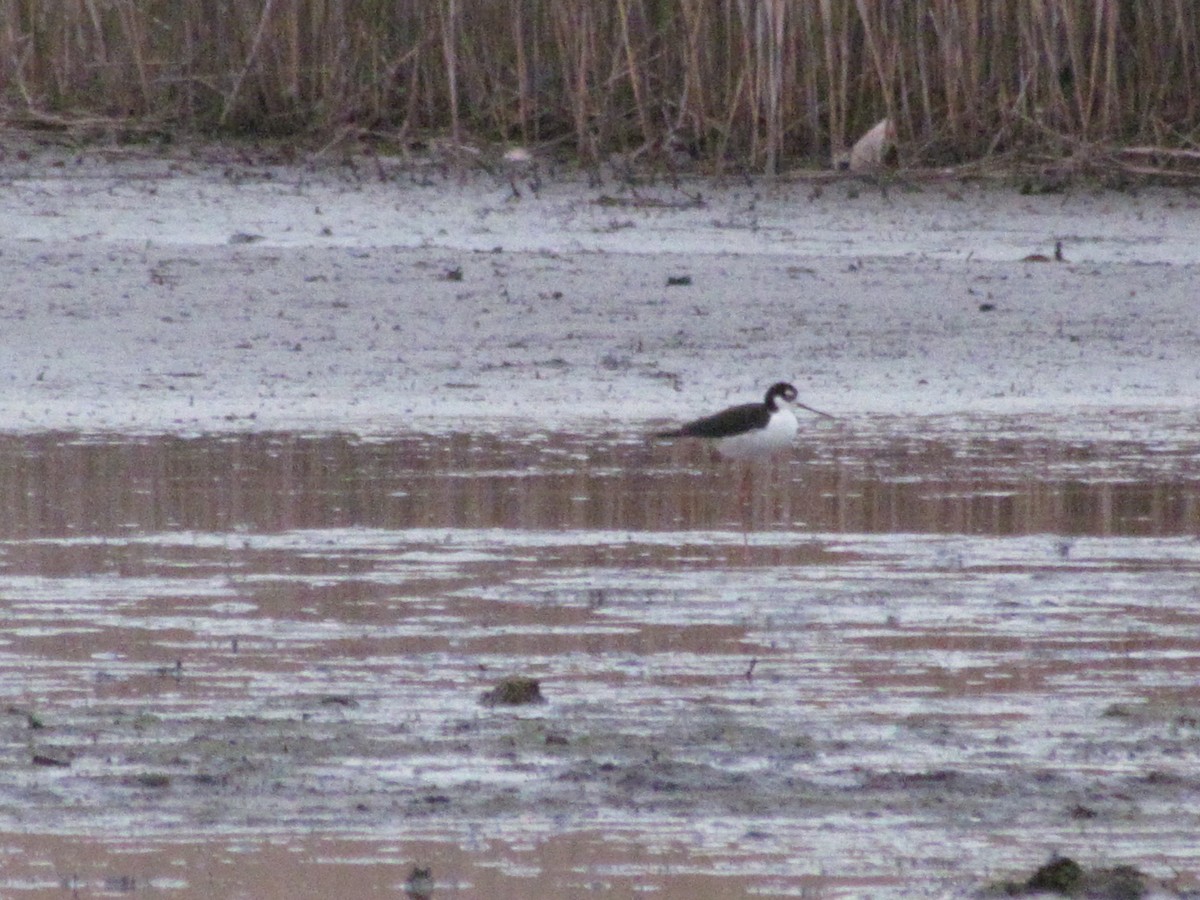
(775, 438)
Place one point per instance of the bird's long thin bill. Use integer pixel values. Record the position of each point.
(817, 411)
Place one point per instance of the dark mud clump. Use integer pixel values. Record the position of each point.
(1060, 875)
(1065, 877)
(514, 691)
(420, 883)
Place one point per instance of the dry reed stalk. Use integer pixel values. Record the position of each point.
(633, 70)
(690, 114)
(524, 99)
(576, 40)
(750, 81)
(448, 10)
(13, 51)
(874, 51)
(1188, 31)
(806, 48)
(290, 50)
(770, 29)
(1080, 73)
(950, 38)
(835, 40)
(231, 97)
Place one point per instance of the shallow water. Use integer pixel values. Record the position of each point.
(914, 659)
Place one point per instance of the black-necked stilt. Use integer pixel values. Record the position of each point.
(750, 430)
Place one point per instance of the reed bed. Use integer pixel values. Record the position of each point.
(755, 83)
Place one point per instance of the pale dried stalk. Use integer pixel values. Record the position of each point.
(836, 75)
(449, 23)
(232, 97)
(635, 79)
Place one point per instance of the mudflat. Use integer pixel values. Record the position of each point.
(166, 294)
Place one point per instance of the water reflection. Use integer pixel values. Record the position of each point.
(56, 485)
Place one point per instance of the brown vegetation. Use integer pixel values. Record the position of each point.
(755, 83)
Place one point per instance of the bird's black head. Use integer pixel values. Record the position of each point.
(780, 390)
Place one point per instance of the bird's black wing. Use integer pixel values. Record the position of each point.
(726, 423)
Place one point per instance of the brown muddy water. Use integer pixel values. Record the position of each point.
(912, 661)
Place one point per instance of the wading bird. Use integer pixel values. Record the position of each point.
(750, 430)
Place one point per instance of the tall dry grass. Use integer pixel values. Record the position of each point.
(757, 82)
